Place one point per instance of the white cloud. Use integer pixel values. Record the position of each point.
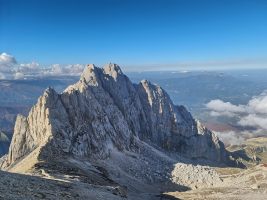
(75, 69)
(223, 113)
(2, 76)
(238, 137)
(7, 62)
(18, 75)
(231, 137)
(254, 120)
(7, 59)
(69, 70)
(253, 114)
(29, 67)
(222, 107)
(258, 104)
(56, 69)
(9, 69)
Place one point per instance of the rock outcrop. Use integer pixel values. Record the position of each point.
(103, 111)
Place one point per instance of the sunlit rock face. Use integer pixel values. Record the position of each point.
(105, 110)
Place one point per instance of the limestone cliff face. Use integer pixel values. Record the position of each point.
(105, 110)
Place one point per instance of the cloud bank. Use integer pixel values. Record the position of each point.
(11, 69)
(253, 114)
(252, 117)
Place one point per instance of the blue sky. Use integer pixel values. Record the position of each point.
(165, 34)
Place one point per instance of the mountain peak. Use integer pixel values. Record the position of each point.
(113, 70)
(145, 82)
(89, 74)
(112, 67)
(88, 70)
(49, 91)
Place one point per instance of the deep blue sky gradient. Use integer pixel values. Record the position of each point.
(135, 32)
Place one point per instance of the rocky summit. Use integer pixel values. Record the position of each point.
(108, 131)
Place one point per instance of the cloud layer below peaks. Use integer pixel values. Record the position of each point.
(11, 69)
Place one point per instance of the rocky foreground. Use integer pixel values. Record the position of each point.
(236, 184)
(233, 183)
(107, 138)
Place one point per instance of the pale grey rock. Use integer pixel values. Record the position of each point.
(105, 110)
(195, 176)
